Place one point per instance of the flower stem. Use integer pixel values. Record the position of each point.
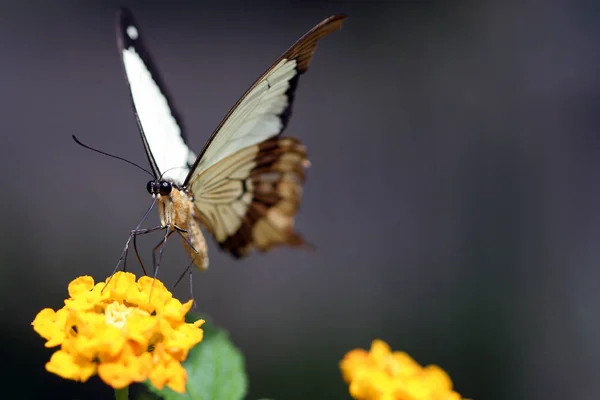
(122, 394)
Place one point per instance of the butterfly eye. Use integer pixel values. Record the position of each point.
(151, 187)
(165, 188)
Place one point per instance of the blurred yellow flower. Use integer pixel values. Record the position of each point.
(122, 330)
(381, 374)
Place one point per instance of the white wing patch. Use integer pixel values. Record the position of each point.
(255, 119)
(162, 132)
(132, 32)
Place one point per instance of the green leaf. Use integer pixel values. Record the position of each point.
(215, 369)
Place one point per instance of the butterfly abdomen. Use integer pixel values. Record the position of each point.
(199, 254)
(177, 212)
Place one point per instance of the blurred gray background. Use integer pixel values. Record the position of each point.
(453, 194)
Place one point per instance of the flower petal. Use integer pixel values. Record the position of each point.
(51, 326)
(126, 370)
(80, 286)
(167, 371)
(123, 330)
(382, 375)
(69, 366)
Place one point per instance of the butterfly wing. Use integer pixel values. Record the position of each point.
(249, 199)
(246, 183)
(160, 125)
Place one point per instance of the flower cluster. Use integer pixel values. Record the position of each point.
(381, 374)
(122, 330)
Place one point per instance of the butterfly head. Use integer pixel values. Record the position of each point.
(159, 188)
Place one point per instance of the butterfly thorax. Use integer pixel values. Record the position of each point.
(174, 206)
(177, 212)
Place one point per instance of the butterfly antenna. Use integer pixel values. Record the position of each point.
(111, 155)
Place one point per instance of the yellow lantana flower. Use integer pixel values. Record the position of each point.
(123, 330)
(380, 374)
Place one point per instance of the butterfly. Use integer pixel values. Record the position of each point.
(245, 185)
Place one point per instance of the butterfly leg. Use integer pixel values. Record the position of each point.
(137, 254)
(186, 239)
(133, 235)
(195, 253)
(187, 269)
(196, 244)
(123, 257)
(160, 247)
(192, 289)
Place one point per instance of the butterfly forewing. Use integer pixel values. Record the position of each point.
(160, 125)
(264, 110)
(247, 183)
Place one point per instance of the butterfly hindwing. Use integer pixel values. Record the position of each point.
(248, 200)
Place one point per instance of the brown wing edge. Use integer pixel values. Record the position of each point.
(301, 51)
(275, 183)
